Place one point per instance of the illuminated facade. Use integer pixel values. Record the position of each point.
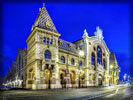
(51, 62)
(55, 63)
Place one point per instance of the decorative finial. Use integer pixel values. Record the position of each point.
(43, 4)
(85, 33)
(99, 33)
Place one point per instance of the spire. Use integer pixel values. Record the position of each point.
(44, 21)
(99, 33)
(85, 33)
(43, 4)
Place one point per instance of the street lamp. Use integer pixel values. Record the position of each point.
(81, 53)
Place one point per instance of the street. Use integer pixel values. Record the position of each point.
(125, 94)
(91, 93)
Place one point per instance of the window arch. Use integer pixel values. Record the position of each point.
(62, 59)
(99, 55)
(72, 61)
(47, 55)
(80, 63)
(93, 59)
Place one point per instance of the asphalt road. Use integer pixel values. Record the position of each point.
(124, 93)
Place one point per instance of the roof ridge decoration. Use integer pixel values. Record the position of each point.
(99, 33)
(44, 21)
(85, 33)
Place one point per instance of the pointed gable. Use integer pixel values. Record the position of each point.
(44, 21)
(112, 58)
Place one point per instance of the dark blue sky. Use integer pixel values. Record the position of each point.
(70, 20)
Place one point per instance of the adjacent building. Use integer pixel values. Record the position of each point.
(15, 75)
(114, 69)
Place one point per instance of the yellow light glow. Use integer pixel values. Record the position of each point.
(111, 66)
(81, 53)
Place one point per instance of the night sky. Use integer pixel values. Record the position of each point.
(70, 20)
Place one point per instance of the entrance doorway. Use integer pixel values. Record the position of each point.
(100, 80)
(62, 78)
(47, 78)
(72, 77)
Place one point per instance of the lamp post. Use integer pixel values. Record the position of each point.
(81, 53)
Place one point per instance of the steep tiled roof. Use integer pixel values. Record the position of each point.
(65, 45)
(44, 21)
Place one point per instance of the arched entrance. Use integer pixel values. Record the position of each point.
(47, 78)
(72, 77)
(62, 78)
(117, 81)
(100, 79)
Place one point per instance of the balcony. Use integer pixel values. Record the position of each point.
(48, 61)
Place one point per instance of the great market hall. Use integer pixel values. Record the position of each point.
(50, 62)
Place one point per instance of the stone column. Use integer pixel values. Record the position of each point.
(108, 70)
(36, 79)
(57, 78)
(86, 52)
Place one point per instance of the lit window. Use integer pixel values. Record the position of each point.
(72, 61)
(62, 59)
(93, 59)
(99, 56)
(47, 55)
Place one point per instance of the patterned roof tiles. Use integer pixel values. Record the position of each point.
(67, 46)
(44, 21)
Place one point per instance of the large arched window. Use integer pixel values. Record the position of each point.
(99, 55)
(72, 61)
(104, 65)
(62, 59)
(93, 59)
(47, 55)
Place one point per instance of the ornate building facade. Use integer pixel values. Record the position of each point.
(55, 63)
(50, 62)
